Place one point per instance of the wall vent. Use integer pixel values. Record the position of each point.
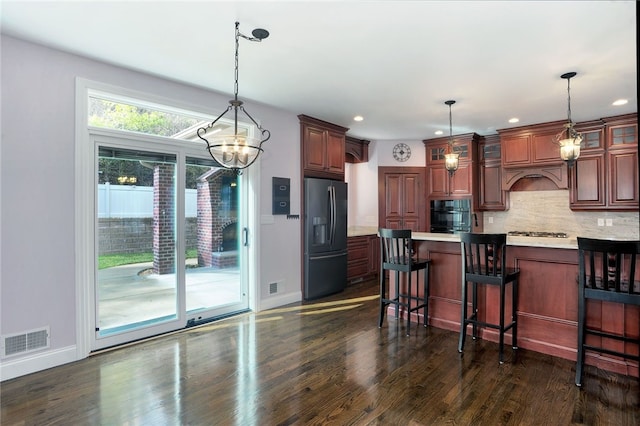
(25, 342)
(273, 288)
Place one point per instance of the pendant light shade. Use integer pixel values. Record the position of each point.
(234, 148)
(451, 158)
(569, 140)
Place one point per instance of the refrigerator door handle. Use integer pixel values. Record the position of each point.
(333, 214)
(245, 237)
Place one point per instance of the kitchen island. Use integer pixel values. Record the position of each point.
(547, 297)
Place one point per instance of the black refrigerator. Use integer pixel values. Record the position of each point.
(325, 237)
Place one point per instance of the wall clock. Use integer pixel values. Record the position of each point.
(401, 152)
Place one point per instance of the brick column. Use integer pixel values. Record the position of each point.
(164, 244)
(205, 221)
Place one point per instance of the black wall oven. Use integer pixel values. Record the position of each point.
(451, 216)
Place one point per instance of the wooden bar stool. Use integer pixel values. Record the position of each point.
(483, 262)
(607, 272)
(396, 255)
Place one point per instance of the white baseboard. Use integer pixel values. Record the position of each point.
(279, 301)
(12, 368)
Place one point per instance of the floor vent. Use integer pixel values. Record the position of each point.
(29, 341)
(273, 288)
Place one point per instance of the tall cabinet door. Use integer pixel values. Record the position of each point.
(401, 198)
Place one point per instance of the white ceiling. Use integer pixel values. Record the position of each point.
(393, 62)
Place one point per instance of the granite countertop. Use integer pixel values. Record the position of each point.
(563, 243)
(358, 231)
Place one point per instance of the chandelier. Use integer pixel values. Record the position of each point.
(451, 158)
(237, 150)
(569, 140)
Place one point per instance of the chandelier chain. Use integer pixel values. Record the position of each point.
(235, 86)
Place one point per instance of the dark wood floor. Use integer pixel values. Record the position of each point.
(321, 363)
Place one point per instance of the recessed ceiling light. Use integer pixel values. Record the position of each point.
(514, 120)
(439, 132)
(358, 118)
(620, 102)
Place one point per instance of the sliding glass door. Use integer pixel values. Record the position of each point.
(159, 204)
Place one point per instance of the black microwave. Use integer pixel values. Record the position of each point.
(451, 216)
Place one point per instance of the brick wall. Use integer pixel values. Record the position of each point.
(135, 235)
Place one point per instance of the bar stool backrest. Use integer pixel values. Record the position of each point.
(483, 254)
(607, 270)
(395, 245)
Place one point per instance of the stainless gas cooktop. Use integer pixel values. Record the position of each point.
(537, 234)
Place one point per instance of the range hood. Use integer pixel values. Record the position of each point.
(557, 174)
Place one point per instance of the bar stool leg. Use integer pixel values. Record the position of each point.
(514, 314)
(463, 321)
(426, 295)
(501, 338)
(397, 295)
(409, 293)
(383, 297)
(581, 326)
(474, 309)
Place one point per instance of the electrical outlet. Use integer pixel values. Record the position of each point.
(490, 219)
(600, 222)
(609, 222)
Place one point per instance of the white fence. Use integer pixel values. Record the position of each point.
(115, 201)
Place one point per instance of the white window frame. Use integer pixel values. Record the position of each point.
(85, 170)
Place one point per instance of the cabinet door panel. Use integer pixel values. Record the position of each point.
(411, 195)
(438, 177)
(543, 147)
(413, 224)
(393, 195)
(413, 199)
(314, 149)
(515, 150)
(335, 152)
(491, 194)
(587, 183)
(461, 180)
(623, 172)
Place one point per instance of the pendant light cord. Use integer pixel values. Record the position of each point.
(569, 99)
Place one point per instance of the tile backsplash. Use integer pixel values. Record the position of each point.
(549, 211)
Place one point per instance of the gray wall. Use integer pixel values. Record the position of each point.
(37, 241)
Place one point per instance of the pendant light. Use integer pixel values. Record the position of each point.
(569, 140)
(237, 150)
(451, 158)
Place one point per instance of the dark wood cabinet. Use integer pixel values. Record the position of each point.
(461, 184)
(362, 258)
(401, 200)
(588, 175)
(605, 176)
(622, 153)
(532, 151)
(323, 148)
(356, 150)
(491, 197)
(531, 145)
(587, 188)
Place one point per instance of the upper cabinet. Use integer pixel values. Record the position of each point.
(605, 176)
(461, 184)
(532, 151)
(491, 197)
(323, 148)
(356, 150)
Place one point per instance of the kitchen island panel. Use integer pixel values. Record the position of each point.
(445, 277)
(547, 301)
